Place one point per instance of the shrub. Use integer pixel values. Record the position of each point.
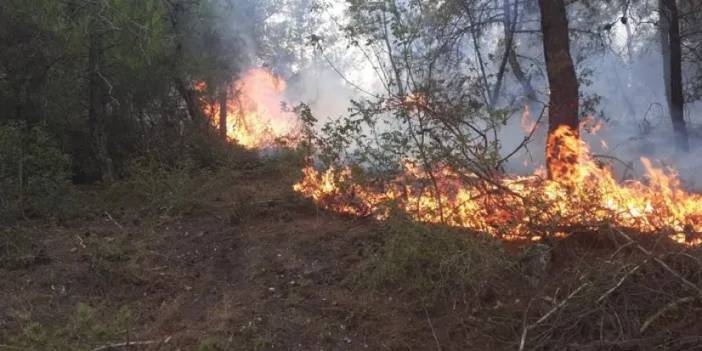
(86, 328)
(155, 188)
(34, 174)
(435, 262)
(199, 147)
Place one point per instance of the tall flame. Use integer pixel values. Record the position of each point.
(256, 117)
(562, 153)
(583, 194)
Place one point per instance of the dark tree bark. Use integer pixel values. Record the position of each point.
(177, 10)
(563, 85)
(509, 27)
(192, 101)
(672, 70)
(97, 103)
(664, 30)
(223, 112)
(510, 22)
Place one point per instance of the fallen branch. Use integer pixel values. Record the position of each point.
(127, 344)
(109, 216)
(548, 314)
(660, 262)
(621, 281)
(663, 310)
(634, 344)
(630, 344)
(433, 332)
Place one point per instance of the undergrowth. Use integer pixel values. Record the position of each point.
(86, 329)
(34, 175)
(433, 263)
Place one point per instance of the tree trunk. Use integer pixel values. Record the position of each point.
(672, 70)
(97, 102)
(664, 27)
(192, 102)
(189, 95)
(563, 85)
(223, 112)
(510, 21)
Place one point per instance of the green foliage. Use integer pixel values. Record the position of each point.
(435, 263)
(171, 181)
(86, 329)
(156, 189)
(102, 75)
(34, 174)
(209, 344)
(108, 259)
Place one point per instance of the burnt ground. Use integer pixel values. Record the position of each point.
(254, 267)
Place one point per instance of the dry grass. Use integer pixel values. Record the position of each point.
(245, 264)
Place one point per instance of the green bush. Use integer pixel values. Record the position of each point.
(85, 329)
(198, 147)
(34, 174)
(433, 262)
(155, 188)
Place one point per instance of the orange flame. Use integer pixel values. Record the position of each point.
(256, 117)
(562, 153)
(528, 126)
(584, 194)
(591, 125)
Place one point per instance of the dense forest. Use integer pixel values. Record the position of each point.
(350, 174)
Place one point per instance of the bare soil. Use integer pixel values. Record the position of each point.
(280, 276)
(254, 267)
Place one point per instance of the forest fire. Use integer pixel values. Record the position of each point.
(255, 116)
(583, 195)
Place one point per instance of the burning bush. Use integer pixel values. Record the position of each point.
(584, 194)
(255, 115)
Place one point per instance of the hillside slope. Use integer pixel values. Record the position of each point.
(252, 266)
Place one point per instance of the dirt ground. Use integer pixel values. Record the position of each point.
(281, 278)
(255, 267)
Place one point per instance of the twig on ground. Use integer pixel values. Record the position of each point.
(433, 332)
(634, 344)
(127, 344)
(621, 281)
(630, 344)
(622, 247)
(81, 242)
(660, 262)
(114, 221)
(548, 314)
(663, 310)
(525, 327)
